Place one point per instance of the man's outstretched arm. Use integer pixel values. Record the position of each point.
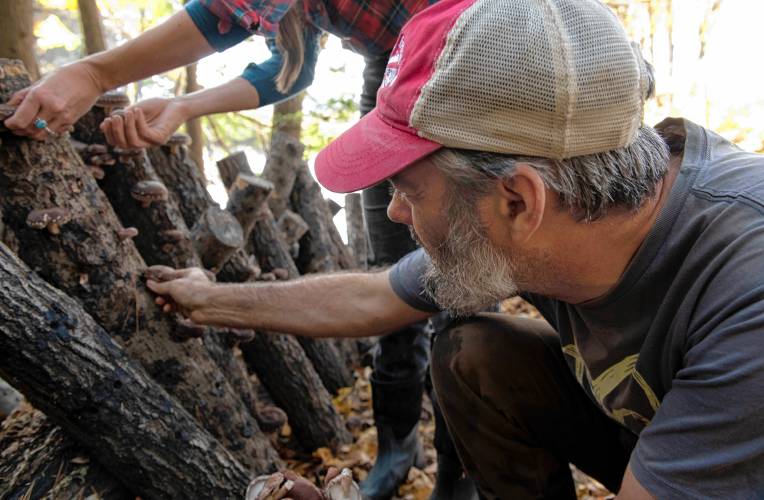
(331, 305)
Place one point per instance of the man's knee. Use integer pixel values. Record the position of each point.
(484, 350)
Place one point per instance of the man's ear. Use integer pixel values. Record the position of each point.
(522, 202)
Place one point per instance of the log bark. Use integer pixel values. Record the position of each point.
(356, 229)
(88, 261)
(284, 161)
(273, 253)
(68, 366)
(216, 235)
(321, 248)
(281, 353)
(182, 177)
(40, 460)
(165, 239)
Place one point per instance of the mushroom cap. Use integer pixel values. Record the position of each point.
(149, 191)
(128, 152)
(112, 100)
(127, 232)
(172, 235)
(40, 218)
(179, 140)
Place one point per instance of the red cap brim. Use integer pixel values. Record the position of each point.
(368, 153)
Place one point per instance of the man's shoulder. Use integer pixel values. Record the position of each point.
(724, 171)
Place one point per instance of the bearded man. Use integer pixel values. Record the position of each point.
(511, 132)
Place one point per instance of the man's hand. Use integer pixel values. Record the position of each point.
(60, 99)
(147, 123)
(181, 290)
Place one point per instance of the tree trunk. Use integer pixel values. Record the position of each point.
(92, 27)
(87, 260)
(194, 125)
(71, 369)
(42, 461)
(17, 39)
(356, 229)
(287, 116)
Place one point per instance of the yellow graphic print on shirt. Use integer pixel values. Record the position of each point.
(619, 375)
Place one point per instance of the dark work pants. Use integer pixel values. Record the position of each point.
(403, 355)
(516, 413)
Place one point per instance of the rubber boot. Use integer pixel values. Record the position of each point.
(396, 412)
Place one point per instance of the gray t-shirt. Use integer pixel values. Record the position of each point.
(675, 352)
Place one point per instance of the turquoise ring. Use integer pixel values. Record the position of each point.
(40, 124)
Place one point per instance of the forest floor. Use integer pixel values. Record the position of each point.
(354, 403)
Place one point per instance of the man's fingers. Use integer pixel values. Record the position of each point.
(160, 301)
(157, 287)
(167, 308)
(165, 273)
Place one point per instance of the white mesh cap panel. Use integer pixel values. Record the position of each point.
(550, 78)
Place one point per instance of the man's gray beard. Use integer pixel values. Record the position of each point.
(467, 273)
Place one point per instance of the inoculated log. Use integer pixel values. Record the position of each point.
(268, 245)
(356, 229)
(231, 166)
(40, 460)
(321, 248)
(314, 421)
(86, 259)
(182, 176)
(245, 199)
(216, 235)
(284, 161)
(67, 366)
(163, 238)
(142, 201)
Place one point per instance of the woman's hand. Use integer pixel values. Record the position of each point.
(58, 101)
(147, 123)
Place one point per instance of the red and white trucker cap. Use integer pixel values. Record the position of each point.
(546, 78)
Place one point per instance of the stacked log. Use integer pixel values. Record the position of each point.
(82, 339)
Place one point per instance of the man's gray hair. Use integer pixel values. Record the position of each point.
(587, 186)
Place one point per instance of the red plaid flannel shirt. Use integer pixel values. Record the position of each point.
(369, 27)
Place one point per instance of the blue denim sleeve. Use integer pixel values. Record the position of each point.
(406, 281)
(207, 23)
(263, 76)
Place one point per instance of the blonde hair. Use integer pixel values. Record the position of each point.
(291, 43)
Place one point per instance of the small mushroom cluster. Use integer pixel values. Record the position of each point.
(95, 157)
(148, 192)
(112, 100)
(177, 141)
(48, 218)
(290, 485)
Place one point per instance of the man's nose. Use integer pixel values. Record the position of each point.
(399, 211)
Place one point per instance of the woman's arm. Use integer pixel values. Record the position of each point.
(66, 94)
(153, 121)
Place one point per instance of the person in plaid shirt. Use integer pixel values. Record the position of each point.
(291, 29)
